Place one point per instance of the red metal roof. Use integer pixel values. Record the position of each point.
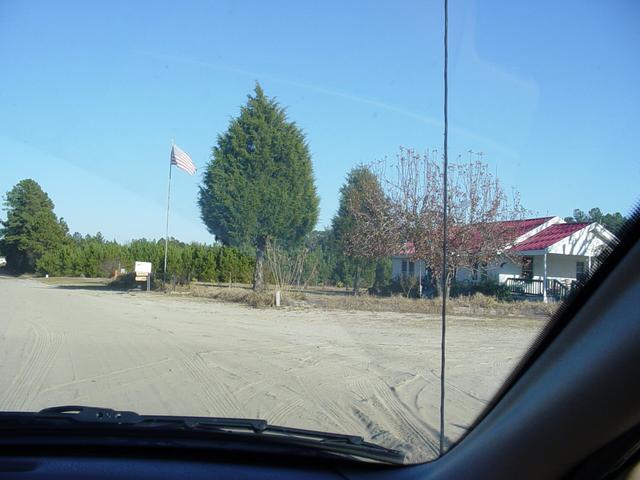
(549, 236)
(408, 249)
(514, 228)
(507, 230)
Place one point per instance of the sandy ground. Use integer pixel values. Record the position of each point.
(371, 374)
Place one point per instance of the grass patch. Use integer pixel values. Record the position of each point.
(244, 295)
(478, 304)
(339, 299)
(331, 298)
(73, 281)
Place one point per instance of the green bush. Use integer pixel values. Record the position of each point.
(488, 288)
(92, 256)
(407, 287)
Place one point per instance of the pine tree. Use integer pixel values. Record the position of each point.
(259, 185)
(611, 221)
(364, 227)
(31, 228)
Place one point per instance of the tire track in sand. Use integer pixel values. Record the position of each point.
(280, 415)
(409, 424)
(28, 380)
(216, 397)
(219, 400)
(321, 396)
(402, 422)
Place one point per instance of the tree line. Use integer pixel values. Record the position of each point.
(34, 240)
(258, 197)
(93, 256)
(611, 221)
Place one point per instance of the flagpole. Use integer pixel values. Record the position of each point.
(166, 236)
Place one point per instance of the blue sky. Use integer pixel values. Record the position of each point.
(92, 94)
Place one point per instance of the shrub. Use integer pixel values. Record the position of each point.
(92, 256)
(407, 287)
(487, 288)
(128, 282)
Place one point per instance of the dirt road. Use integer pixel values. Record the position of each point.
(371, 374)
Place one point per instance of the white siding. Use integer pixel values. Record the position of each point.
(464, 274)
(564, 266)
(561, 259)
(498, 271)
(586, 242)
(508, 269)
(560, 267)
(396, 266)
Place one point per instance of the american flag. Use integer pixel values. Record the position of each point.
(180, 159)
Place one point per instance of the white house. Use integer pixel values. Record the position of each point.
(546, 256)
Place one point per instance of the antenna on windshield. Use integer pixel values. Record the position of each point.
(444, 227)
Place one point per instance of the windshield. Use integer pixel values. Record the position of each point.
(236, 209)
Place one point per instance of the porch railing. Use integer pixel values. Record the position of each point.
(525, 287)
(555, 288)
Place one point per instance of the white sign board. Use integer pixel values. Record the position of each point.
(142, 268)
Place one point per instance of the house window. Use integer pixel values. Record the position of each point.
(408, 269)
(580, 272)
(527, 268)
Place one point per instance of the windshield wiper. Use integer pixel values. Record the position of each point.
(92, 417)
(97, 415)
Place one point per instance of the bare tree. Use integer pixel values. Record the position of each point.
(287, 267)
(477, 206)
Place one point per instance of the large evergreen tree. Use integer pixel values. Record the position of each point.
(364, 227)
(259, 185)
(31, 228)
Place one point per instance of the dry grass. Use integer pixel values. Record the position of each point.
(243, 295)
(477, 305)
(336, 299)
(79, 281)
(341, 299)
